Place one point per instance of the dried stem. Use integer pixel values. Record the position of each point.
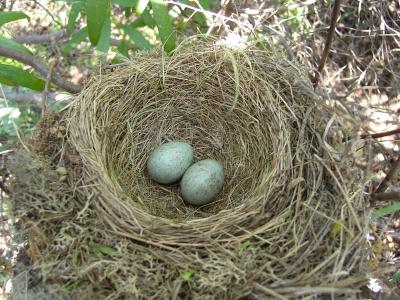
(389, 176)
(380, 134)
(328, 43)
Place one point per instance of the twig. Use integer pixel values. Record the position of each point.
(380, 134)
(46, 86)
(33, 98)
(41, 68)
(391, 196)
(48, 12)
(50, 37)
(389, 176)
(328, 43)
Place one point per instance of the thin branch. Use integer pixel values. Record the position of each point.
(389, 176)
(33, 98)
(391, 196)
(328, 43)
(48, 12)
(49, 38)
(53, 64)
(41, 68)
(380, 134)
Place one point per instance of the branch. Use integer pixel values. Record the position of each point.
(389, 176)
(33, 97)
(329, 38)
(390, 196)
(40, 38)
(41, 68)
(380, 134)
(50, 38)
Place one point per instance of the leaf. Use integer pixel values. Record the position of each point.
(76, 39)
(20, 77)
(244, 246)
(104, 43)
(164, 24)
(186, 275)
(336, 228)
(141, 5)
(71, 286)
(101, 249)
(97, 12)
(137, 37)
(14, 45)
(386, 210)
(125, 3)
(395, 278)
(10, 16)
(73, 16)
(147, 18)
(123, 48)
(137, 23)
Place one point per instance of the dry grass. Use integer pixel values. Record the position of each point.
(289, 222)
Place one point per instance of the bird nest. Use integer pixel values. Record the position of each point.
(288, 222)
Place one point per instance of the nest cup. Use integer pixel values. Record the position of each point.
(238, 107)
(254, 111)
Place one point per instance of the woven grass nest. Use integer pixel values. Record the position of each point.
(288, 223)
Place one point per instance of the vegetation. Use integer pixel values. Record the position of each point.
(48, 49)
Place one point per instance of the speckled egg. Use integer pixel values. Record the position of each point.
(202, 182)
(168, 162)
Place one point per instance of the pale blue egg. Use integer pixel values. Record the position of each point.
(202, 182)
(168, 162)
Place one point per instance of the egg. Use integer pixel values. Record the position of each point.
(168, 162)
(202, 182)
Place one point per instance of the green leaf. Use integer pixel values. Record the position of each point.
(123, 48)
(164, 24)
(73, 16)
(125, 3)
(395, 278)
(71, 286)
(21, 77)
(147, 18)
(97, 12)
(14, 45)
(137, 37)
(386, 210)
(141, 5)
(101, 249)
(104, 43)
(186, 275)
(10, 16)
(76, 39)
(244, 246)
(137, 23)
(336, 229)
